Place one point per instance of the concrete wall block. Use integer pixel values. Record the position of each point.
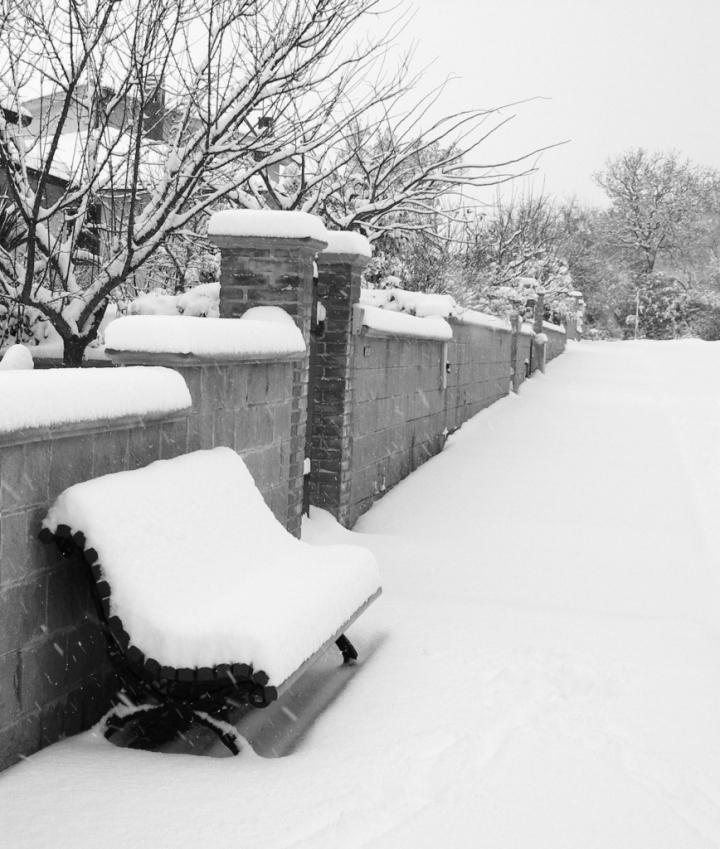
(9, 687)
(144, 446)
(68, 596)
(366, 418)
(272, 464)
(24, 475)
(52, 721)
(72, 713)
(23, 613)
(15, 563)
(258, 384)
(281, 417)
(223, 434)
(254, 462)
(280, 376)
(86, 652)
(237, 385)
(20, 739)
(200, 431)
(110, 451)
(97, 694)
(264, 424)
(214, 390)
(279, 502)
(43, 671)
(174, 438)
(245, 429)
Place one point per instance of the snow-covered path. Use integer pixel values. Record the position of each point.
(543, 669)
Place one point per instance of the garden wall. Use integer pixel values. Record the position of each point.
(54, 676)
(410, 393)
(384, 400)
(380, 403)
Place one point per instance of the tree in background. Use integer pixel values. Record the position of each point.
(658, 243)
(513, 255)
(658, 204)
(124, 121)
(401, 178)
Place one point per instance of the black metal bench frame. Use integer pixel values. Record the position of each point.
(167, 700)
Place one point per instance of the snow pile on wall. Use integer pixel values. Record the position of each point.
(401, 324)
(209, 576)
(201, 301)
(17, 358)
(271, 223)
(423, 305)
(205, 337)
(347, 242)
(52, 397)
(418, 304)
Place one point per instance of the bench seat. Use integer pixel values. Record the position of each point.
(197, 581)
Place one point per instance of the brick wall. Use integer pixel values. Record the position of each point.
(557, 340)
(410, 393)
(276, 272)
(54, 676)
(382, 405)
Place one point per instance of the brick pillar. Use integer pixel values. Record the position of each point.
(539, 348)
(575, 321)
(274, 271)
(340, 268)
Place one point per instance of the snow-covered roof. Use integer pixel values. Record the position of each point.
(215, 338)
(207, 575)
(68, 162)
(52, 397)
(347, 242)
(270, 223)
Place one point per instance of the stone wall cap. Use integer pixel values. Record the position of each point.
(50, 398)
(347, 242)
(266, 223)
(211, 339)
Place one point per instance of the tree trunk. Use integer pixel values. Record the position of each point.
(73, 351)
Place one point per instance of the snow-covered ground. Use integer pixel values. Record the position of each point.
(542, 671)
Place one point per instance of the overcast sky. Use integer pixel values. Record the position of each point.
(618, 74)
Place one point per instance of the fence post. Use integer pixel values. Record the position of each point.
(340, 268)
(539, 347)
(273, 270)
(516, 324)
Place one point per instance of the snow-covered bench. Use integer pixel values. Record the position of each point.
(205, 599)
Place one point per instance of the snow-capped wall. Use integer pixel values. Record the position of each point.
(404, 324)
(47, 398)
(347, 242)
(267, 223)
(214, 338)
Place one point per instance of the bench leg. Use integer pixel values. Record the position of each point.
(160, 724)
(226, 735)
(348, 650)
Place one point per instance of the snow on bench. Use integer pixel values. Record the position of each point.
(198, 582)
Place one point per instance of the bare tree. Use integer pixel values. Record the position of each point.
(514, 255)
(657, 199)
(123, 121)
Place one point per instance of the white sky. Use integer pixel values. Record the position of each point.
(619, 74)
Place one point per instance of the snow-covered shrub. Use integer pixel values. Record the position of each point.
(202, 300)
(418, 304)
